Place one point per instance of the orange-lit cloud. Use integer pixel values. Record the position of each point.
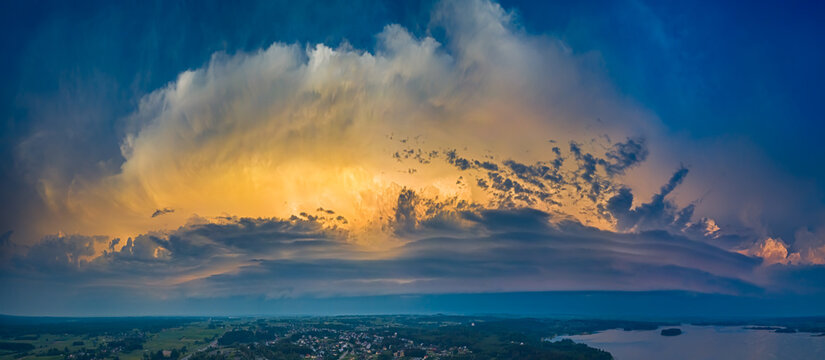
(290, 129)
(491, 161)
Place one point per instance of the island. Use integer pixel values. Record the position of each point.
(786, 330)
(770, 328)
(671, 332)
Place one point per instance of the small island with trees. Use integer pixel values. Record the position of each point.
(671, 332)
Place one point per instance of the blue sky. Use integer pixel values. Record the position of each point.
(384, 148)
(710, 68)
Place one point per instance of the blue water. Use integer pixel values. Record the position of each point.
(706, 342)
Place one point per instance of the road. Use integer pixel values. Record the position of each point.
(213, 344)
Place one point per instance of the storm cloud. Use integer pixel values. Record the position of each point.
(484, 250)
(465, 156)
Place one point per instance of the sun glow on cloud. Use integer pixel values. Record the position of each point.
(288, 130)
(494, 161)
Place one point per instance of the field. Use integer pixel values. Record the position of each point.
(338, 337)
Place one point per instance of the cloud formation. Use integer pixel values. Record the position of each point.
(163, 211)
(467, 251)
(291, 128)
(491, 160)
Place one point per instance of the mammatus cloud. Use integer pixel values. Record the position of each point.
(490, 161)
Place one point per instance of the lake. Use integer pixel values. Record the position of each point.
(705, 342)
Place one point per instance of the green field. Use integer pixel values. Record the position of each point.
(192, 336)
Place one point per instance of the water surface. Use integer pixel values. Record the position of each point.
(706, 342)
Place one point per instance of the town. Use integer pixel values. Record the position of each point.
(340, 337)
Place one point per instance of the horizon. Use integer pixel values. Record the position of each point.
(650, 306)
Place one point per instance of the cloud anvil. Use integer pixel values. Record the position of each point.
(466, 155)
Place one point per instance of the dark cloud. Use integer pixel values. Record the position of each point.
(405, 217)
(486, 165)
(797, 279)
(523, 219)
(446, 246)
(59, 253)
(483, 250)
(513, 183)
(516, 250)
(624, 156)
(163, 211)
(659, 213)
(459, 162)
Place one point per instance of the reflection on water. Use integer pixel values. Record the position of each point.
(706, 342)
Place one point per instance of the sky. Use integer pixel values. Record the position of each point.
(465, 156)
